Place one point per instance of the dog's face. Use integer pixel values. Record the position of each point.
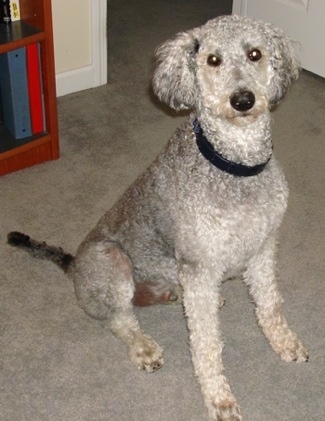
(234, 67)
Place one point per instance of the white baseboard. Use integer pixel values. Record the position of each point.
(94, 74)
(239, 7)
(76, 80)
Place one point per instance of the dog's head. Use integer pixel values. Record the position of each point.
(232, 66)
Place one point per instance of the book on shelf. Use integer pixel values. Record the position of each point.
(35, 88)
(9, 10)
(5, 11)
(14, 93)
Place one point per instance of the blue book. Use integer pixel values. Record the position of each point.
(14, 93)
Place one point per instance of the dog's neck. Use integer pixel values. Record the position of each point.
(244, 149)
(219, 161)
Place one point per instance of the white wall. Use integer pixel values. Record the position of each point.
(80, 45)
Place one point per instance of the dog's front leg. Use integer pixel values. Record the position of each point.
(201, 299)
(260, 277)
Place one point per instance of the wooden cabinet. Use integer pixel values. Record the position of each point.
(35, 26)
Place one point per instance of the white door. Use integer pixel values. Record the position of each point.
(302, 20)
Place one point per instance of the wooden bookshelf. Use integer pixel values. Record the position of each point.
(35, 26)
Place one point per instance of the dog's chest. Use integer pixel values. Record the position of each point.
(231, 220)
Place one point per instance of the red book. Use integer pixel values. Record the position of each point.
(35, 88)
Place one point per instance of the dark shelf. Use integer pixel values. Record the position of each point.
(16, 31)
(8, 142)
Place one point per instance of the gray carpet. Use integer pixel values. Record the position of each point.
(57, 363)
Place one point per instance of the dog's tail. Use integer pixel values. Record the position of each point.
(41, 250)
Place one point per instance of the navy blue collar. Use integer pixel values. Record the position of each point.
(208, 151)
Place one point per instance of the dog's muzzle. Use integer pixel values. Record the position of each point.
(242, 100)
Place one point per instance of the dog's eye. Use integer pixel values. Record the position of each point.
(254, 55)
(213, 60)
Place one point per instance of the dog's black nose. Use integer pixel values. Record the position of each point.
(242, 100)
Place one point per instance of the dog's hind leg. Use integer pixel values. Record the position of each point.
(105, 289)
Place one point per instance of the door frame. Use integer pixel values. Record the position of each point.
(94, 74)
(239, 7)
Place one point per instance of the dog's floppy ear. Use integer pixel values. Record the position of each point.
(284, 61)
(174, 76)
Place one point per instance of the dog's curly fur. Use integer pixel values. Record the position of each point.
(185, 222)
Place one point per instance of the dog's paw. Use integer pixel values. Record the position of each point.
(224, 410)
(221, 403)
(293, 351)
(285, 342)
(221, 301)
(146, 354)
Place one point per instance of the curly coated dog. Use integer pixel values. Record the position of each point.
(208, 208)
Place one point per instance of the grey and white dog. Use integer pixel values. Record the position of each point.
(208, 208)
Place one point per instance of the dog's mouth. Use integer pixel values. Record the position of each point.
(244, 118)
(244, 114)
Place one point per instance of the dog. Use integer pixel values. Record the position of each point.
(208, 208)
